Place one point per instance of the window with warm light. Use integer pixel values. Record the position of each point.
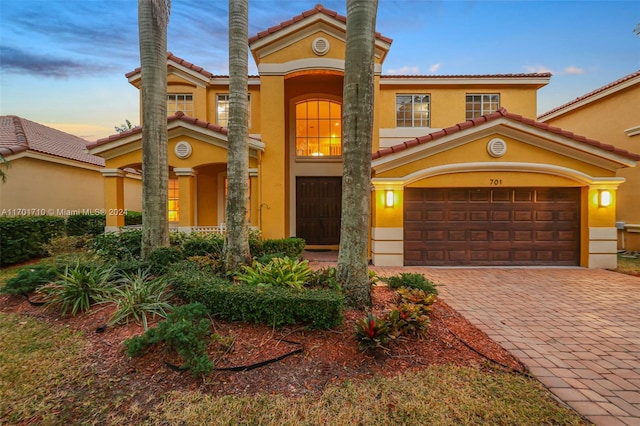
(180, 102)
(174, 201)
(481, 104)
(318, 128)
(412, 110)
(222, 110)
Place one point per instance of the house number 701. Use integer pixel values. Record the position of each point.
(495, 182)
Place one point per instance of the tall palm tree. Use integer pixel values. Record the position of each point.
(236, 246)
(358, 91)
(153, 17)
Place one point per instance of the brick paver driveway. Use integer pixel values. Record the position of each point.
(578, 330)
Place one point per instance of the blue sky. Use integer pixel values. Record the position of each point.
(62, 62)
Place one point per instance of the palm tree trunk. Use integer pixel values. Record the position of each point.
(237, 236)
(357, 117)
(153, 16)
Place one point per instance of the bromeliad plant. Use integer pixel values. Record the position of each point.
(279, 272)
(79, 287)
(372, 333)
(139, 295)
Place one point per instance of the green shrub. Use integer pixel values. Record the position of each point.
(411, 280)
(86, 224)
(187, 331)
(325, 278)
(408, 319)
(22, 238)
(289, 247)
(132, 218)
(79, 287)
(161, 259)
(65, 245)
(372, 333)
(279, 272)
(275, 306)
(123, 245)
(138, 295)
(202, 245)
(30, 278)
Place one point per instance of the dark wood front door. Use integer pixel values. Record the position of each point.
(492, 226)
(318, 207)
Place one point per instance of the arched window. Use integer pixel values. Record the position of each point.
(318, 128)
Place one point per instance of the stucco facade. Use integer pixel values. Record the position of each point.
(461, 171)
(611, 113)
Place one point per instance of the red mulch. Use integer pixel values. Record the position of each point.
(328, 356)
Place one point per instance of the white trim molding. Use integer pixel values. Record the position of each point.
(387, 246)
(603, 245)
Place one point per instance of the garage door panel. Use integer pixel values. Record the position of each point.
(496, 226)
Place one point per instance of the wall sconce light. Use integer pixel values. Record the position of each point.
(388, 198)
(604, 198)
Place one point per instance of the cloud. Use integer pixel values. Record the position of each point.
(570, 70)
(406, 70)
(537, 69)
(573, 70)
(22, 62)
(434, 68)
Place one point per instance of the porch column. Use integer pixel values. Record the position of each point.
(601, 219)
(254, 198)
(114, 198)
(387, 227)
(187, 194)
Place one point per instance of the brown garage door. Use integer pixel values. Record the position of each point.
(493, 226)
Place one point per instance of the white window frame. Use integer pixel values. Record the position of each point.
(414, 97)
(483, 99)
(180, 101)
(224, 97)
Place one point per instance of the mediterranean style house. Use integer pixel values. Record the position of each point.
(462, 173)
(619, 103)
(50, 173)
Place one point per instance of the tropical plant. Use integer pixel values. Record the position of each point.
(5, 163)
(236, 249)
(186, 330)
(357, 144)
(161, 259)
(79, 286)
(372, 333)
(411, 280)
(139, 295)
(124, 127)
(279, 272)
(408, 319)
(153, 17)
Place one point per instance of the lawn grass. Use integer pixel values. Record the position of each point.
(628, 265)
(45, 379)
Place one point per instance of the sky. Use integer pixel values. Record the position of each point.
(62, 62)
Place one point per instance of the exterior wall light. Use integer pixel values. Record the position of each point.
(388, 198)
(604, 198)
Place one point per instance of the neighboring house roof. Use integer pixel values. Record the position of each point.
(18, 135)
(502, 113)
(317, 9)
(606, 90)
(176, 118)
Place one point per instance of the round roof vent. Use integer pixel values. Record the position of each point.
(497, 147)
(183, 150)
(320, 46)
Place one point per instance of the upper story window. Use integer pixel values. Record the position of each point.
(412, 110)
(222, 110)
(318, 128)
(482, 104)
(180, 102)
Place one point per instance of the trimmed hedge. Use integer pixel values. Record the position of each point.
(86, 224)
(285, 247)
(276, 306)
(22, 238)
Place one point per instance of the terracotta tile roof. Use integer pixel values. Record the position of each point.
(466, 76)
(178, 116)
(18, 134)
(317, 9)
(591, 94)
(501, 113)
